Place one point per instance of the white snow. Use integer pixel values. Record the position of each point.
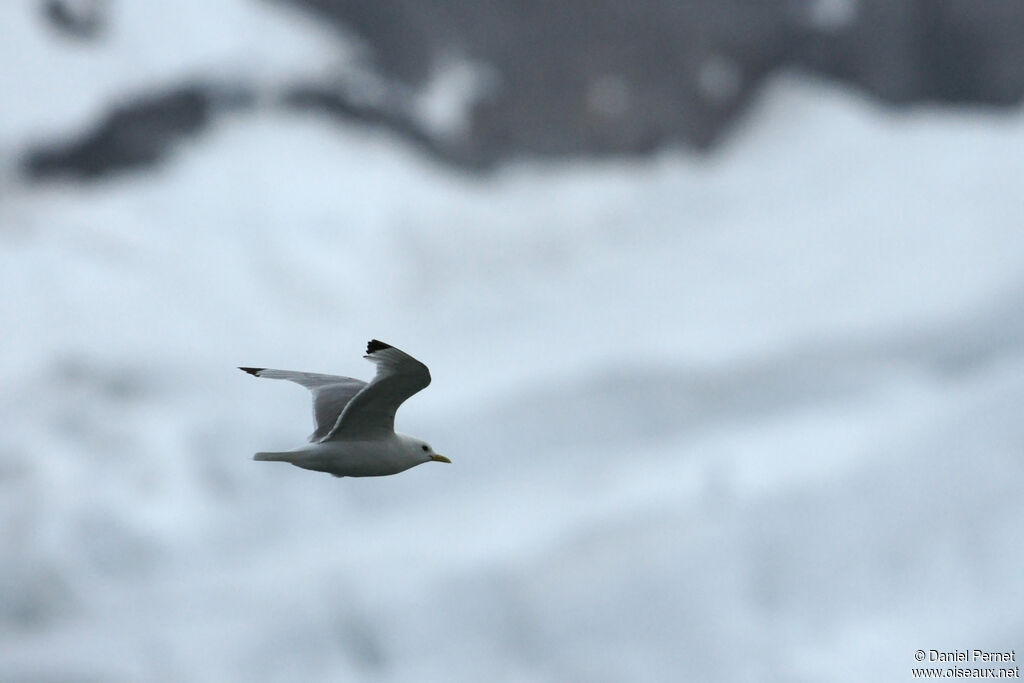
(54, 86)
(749, 417)
(444, 104)
(832, 15)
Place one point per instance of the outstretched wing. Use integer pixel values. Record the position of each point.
(371, 412)
(331, 394)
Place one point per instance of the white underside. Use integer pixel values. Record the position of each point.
(364, 458)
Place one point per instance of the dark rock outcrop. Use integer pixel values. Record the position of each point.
(132, 135)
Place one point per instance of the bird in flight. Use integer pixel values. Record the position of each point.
(355, 420)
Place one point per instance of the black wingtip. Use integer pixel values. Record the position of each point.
(255, 372)
(374, 345)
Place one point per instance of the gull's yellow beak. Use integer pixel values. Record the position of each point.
(440, 458)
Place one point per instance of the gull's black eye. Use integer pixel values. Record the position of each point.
(426, 448)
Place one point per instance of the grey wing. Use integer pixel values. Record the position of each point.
(371, 412)
(331, 393)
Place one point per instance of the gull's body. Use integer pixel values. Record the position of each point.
(355, 435)
(344, 458)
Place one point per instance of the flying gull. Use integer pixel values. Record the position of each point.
(355, 420)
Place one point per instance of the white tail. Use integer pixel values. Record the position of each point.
(275, 457)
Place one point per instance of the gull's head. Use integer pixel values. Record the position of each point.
(423, 451)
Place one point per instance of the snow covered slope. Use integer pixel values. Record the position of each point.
(753, 417)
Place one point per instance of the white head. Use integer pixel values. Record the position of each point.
(422, 450)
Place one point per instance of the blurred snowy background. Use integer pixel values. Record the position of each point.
(723, 302)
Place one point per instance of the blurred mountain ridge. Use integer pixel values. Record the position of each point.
(575, 78)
